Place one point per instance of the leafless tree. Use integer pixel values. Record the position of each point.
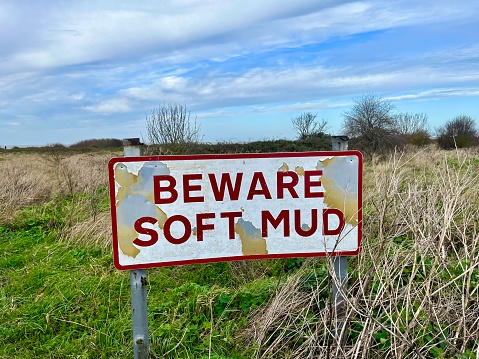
(171, 125)
(371, 123)
(306, 125)
(408, 123)
(413, 127)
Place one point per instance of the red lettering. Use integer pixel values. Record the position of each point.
(231, 221)
(308, 183)
(187, 187)
(297, 223)
(148, 231)
(226, 183)
(170, 188)
(266, 217)
(201, 227)
(282, 185)
(167, 229)
(258, 177)
(332, 211)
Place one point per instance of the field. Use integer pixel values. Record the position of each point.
(413, 291)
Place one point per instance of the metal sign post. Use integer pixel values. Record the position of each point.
(138, 281)
(177, 210)
(340, 263)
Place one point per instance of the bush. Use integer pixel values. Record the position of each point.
(414, 128)
(98, 143)
(460, 132)
(419, 138)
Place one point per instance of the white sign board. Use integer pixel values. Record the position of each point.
(174, 210)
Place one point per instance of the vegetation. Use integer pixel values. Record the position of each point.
(413, 127)
(99, 143)
(413, 291)
(374, 126)
(460, 132)
(172, 126)
(306, 125)
(371, 122)
(307, 144)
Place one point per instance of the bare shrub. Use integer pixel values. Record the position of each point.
(306, 125)
(414, 128)
(171, 126)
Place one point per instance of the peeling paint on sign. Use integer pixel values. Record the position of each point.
(284, 167)
(340, 191)
(299, 170)
(188, 209)
(135, 190)
(251, 241)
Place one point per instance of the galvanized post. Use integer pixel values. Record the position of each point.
(340, 263)
(141, 345)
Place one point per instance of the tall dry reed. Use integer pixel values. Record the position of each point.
(413, 291)
(76, 182)
(23, 182)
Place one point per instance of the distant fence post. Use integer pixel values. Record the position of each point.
(138, 282)
(340, 263)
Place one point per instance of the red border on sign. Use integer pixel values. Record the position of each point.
(111, 177)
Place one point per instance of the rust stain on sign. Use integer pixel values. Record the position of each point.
(284, 167)
(337, 195)
(132, 190)
(299, 170)
(251, 241)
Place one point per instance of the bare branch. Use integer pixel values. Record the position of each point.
(306, 125)
(171, 125)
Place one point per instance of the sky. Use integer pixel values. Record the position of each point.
(76, 70)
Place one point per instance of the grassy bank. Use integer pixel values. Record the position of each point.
(413, 290)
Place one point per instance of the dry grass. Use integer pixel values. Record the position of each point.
(29, 179)
(23, 182)
(413, 289)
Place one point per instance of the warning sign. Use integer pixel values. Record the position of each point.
(174, 210)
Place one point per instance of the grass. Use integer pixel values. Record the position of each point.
(413, 291)
(63, 300)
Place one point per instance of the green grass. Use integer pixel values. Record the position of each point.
(59, 300)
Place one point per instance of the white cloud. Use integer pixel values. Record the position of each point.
(110, 106)
(437, 94)
(305, 84)
(63, 63)
(85, 32)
